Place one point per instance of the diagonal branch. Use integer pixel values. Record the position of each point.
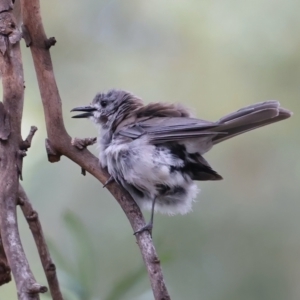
(59, 142)
(37, 232)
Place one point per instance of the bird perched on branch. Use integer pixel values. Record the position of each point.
(155, 151)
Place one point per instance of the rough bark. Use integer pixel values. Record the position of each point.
(11, 155)
(36, 228)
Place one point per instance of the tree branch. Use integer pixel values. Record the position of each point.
(59, 142)
(26, 144)
(36, 228)
(12, 108)
(4, 267)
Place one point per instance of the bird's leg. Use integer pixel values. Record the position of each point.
(108, 181)
(149, 226)
(83, 143)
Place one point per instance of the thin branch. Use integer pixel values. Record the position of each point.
(12, 108)
(50, 42)
(60, 143)
(83, 143)
(36, 228)
(27, 142)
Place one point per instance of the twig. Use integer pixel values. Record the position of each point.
(50, 42)
(83, 143)
(53, 155)
(37, 232)
(13, 95)
(61, 143)
(27, 143)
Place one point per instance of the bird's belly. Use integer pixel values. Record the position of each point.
(137, 165)
(149, 172)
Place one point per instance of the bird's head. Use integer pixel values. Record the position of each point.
(110, 107)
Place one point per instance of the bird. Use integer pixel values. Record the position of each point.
(155, 151)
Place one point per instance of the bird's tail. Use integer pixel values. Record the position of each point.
(249, 118)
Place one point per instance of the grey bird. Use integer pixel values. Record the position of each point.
(155, 151)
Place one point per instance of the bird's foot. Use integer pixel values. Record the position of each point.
(147, 227)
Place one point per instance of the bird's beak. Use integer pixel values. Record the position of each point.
(88, 111)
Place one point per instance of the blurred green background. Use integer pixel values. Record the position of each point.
(242, 241)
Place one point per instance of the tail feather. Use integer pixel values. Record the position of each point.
(249, 118)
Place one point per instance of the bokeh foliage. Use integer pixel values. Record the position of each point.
(242, 239)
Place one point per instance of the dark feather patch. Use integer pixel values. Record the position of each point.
(135, 190)
(194, 164)
(164, 190)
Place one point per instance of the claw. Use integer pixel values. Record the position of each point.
(108, 181)
(147, 227)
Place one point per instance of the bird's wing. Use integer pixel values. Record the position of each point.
(162, 129)
(168, 129)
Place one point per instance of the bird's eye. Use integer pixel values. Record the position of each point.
(103, 103)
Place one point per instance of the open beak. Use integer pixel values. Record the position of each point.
(88, 111)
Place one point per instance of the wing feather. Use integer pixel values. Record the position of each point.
(166, 129)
